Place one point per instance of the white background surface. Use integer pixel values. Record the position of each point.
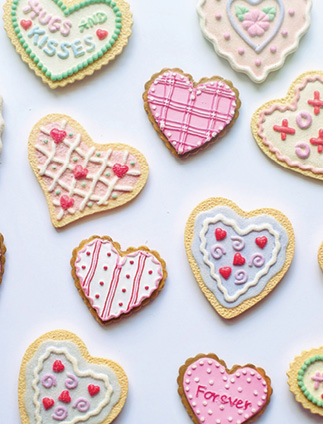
(38, 292)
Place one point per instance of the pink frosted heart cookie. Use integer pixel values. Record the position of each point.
(78, 176)
(255, 36)
(189, 116)
(213, 394)
(60, 382)
(114, 283)
(290, 131)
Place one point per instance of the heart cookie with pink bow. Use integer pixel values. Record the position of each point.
(211, 393)
(78, 176)
(63, 42)
(237, 257)
(60, 382)
(115, 283)
(189, 116)
(255, 36)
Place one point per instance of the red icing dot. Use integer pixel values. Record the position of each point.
(109, 254)
(97, 296)
(120, 304)
(88, 253)
(105, 268)
(128, 276)
(101, 283)
(83, 266)
(131, 262)
(150, 272)
(147, 288)
(322, 395)
(124, 290)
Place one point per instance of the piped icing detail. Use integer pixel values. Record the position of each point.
(310, 379)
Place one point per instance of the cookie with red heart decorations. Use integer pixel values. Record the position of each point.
(63, 42)
(239, 269)
(60, 382)
(2, 256)
(213, 394)
(305, 379)
(190, 116)
(290, 131)
(78, 176)
(255, 36)
(115, 283)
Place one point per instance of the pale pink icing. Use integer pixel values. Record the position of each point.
(190, 116)
(218, 397)
(292, 107)
(100, 188)
(113, 284)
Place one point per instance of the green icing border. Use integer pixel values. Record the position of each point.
(300, 377)
(68, 11)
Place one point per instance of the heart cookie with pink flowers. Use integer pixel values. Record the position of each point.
(255, 36)
(114, 283)
(189, 116)
(79, 177)
(213, 394)
(60, 382)
(290, 131)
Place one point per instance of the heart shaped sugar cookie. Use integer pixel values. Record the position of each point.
(2, 256)
(64, 42)
(114, 283)
(189, 116)
(290, 131)
(305, 379)
(255, 36)
(79, 177)
(245, 265)
(213, 394)
(83, 389)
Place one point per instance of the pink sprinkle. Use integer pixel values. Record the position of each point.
(97, 296)
(258, 62)
(291, 12)
(241, 51)
(101, 283)
(273, 49)
(218, 16)
(226, 36)
(284, 33)
(120, 304)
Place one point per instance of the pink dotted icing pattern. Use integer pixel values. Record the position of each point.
(190, 116)
(79, 176)
(114, 284)
(217, 397)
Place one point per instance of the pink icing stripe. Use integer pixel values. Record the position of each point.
(111, 293)
(283, 108)
(94, 262)
(137, 279)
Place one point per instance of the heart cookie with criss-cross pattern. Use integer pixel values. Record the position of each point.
(237, 257)
(212, 394)
(64, 42)
(79, 177)
(255, 36)
(189, 116)
(114, 283)
(60, 382)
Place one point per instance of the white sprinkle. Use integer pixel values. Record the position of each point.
(263, 398)
(194, 367)
(253, 410)
(210, 412)
(196, 379)
(192, 97)
(154, 107)
(189, 372)
(198, 412)
(201, 362)
(208, 371)
(227, 386)
(209, 362)
(187, 389)
(244, 372)
(239, 389)
(259, 403)
(198, 92)
(255, 393)
(221, 407)
(252, 373)
(238, 374)
(224, 378)
(230, 419)
(202, 419)
(211, 382)
(193, 403)
(205, 403)
(248, 380)
(190, 396)
(246, 416)
(232, 380)
(187, 381)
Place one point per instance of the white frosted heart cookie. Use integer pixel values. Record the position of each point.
(64, 42)
(255, 36)
(79, 177)
(237, 257)
(60, 382)
(115, 283)
(290, 131)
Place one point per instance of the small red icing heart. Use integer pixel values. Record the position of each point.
(102, 34)
(58, 366)
(80, 172)
(120, 170)
(220, 234)
(93, 390)
(48, 403)
(238, 259)
(25, 24)
(261, 241)
(65, 397)
(66, 202)
(225, 272)
(57, 135)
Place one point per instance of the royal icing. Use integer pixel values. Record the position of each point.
(63, 394)
(189, 115)
(79, 177)
(310, 379)
(293, 131)
(61, 40)
(238, 265)
(255, 36)
(1, 122)
(115, 284)
(217, 396)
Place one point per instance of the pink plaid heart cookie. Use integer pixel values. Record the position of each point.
(114, 283)
(189, 116)
(79, 177)
(212, 394)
